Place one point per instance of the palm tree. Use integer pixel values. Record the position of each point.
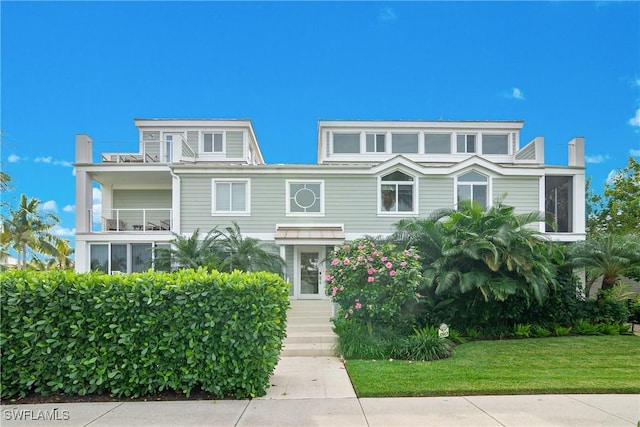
(27, 230)
(246, 253)
(493, 252)
(189, 252)
(609, 256)
(62, 260)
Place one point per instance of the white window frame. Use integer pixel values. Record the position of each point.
(345, 132)
(402, 133)
(466, 142)
(452, 149)
(288, 183)
(375, 142)
(247, 197)
(415, 200)
(212, 132)
(486, 183)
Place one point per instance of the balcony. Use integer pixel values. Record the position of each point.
(131, 220)
(155, 151)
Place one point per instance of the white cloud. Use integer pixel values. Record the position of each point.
(635, 121)
(50, 206)
(97, 206)
(597, 159)
(13, 158)
(63, 232)
(69, 208)
(43, 159)
(63, 163)
(612, 175)
(634, 153)
(387, 14)
(517, 94)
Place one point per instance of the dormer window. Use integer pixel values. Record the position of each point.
(466, 143)
(404, 142)
(346, 143)
(437, 143)
(376, 143)
(397, 193)
(495, 144)
(212, 142)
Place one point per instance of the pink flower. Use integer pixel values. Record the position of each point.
(329, 277)
(334, 291)
(403, 264)
(358, 306)
(371, 270)
(418, 295)
(360, 258)
(361, 247)
(407, 252)
(392, 273)
(336, 261)
(388, 265)
(351, 311)
(346, 316)
(370, 259)
(346, 261)
(370, 279)
(342, 288)
(383, 259)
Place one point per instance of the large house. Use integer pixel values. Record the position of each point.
(199, 174)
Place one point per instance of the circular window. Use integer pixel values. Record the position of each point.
(305, 198)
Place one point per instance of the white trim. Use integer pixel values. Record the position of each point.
(416, 193)
(247, 197)
(487, 184)
(321, 249)
(213, 152)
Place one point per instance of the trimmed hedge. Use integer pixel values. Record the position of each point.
(139, 334)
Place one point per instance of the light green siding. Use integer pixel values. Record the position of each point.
(527, 153)
(521, 192)
(192, 140)
(435, 193)
(235, 141)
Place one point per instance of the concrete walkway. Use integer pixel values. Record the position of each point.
(316, 391)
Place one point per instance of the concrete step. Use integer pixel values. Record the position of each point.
(312, 327)
(310, 338)
(305, 320)
(308, 350)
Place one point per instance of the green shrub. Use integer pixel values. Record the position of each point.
(374, 284)
(561, 331)
(522, 331)
(541, 332)
(354, 342)
(608, 329)
(625, 329)
(138, 334)
(472, 333)
(423, 345)
(583, 327)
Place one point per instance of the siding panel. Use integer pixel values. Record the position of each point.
(521, 192)
(235, 146)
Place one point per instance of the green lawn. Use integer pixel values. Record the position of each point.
(584, 364)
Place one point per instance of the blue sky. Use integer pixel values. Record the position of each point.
(566, 68)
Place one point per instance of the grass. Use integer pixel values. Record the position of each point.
(593, 364)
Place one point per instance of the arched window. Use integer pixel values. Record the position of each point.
(397, 193)
(473, 186)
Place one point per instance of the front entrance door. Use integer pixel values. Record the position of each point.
(310, 272)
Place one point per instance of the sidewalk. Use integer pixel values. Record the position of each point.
(316, 391)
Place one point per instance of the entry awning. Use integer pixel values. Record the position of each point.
(306, 234)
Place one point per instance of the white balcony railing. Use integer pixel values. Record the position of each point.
(131, 220)
(155, 151)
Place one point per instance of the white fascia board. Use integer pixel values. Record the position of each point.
(125, 167)
(147, 237)
(418, 125)
(396, 161)
(564, 170)
(566, 237)
(191, 123)
(310, 225)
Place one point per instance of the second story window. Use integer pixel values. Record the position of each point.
(473, 186)
(230, 196)
(305, 198)
(437, 143)
(466, 143)
(376, 143)
(397, 193)
(212, 142)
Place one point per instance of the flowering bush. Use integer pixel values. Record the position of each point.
(373, 283)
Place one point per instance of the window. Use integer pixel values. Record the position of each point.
(346, 143)
(558, 204)
(473, 186)
(123, 257)
(376, 143)
(404, 142)
(466, 143)
(230, 197)
(305, 197)
(437, 143)
(212, 142)
(495, 144)
(397, 193)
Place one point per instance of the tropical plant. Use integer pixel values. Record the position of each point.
(189, 252)
(237, 252)
(5, 182)
(610, 256)
(28, 230)
(422, 345)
